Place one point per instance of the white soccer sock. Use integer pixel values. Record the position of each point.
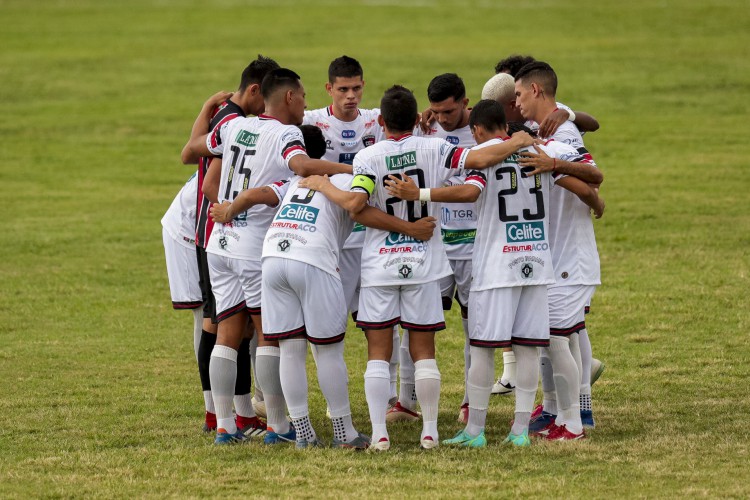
(197, 329)
(223, 373)
(567, 385)
(548, 383)
(254, 347)
(293, 376)
(427, 386)
(208, 401)
(467, 359)
(304, 429)
(334, 383)
(407, 394)
(377, 381)
(243, 405)
(268, 360)
(393, 367)
(509, 368)
(585, 349)
(479, 387)
(527, 380)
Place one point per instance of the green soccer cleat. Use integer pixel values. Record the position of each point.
(519, 440)
(466, 440)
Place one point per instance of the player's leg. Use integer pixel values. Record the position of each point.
(208, 336)
(378, 313)
(247, 421)
(422, 315)
(589, 374)
(405, 408)
(462, 277)
(545, 420)
(259, 405)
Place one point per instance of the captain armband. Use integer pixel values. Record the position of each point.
(364, 182)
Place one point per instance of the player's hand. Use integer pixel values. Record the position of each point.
(221, 213)
(315, 182)
(552, 122)
(425, 123)
(404, 189)
(522, 139)
(422, 229)
(217, 99)
(599, 210)
(540, 161)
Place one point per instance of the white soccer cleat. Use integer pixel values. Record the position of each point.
(259, 407)
(597, 367)
(503, 388)
(427, 443)
(382, 445)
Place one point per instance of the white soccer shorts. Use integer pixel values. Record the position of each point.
(500, 317)
(182, 272)
(415, 307)
(457, 284)
(567, 308)
(235, 284)
(301, 299)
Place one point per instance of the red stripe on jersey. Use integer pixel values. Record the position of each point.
(477, 179)
(287, 152)
(456, 157)
(216, 129)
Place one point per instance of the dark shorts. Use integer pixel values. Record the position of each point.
(209, 303)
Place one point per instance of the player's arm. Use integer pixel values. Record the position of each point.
(479, 158)
(585, 192)
(304, 166)
(193, 150)
(211, 180)
(351, 201)
(227, 211)
(422, 229)
(408, 190)
(542, 162)
(584, 121)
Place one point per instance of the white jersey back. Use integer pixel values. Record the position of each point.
(310, 228)
(574, 254)
(179, 220)
(392, 259)
(458, 223)
(343, 141)
(256, 152)
(512, 244)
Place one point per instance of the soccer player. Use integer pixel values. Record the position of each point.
(247, 100)
(448, 104)
(261, 151)
(574, 256)
(511, 269)
(400, 276)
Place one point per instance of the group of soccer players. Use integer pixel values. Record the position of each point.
(296, 218)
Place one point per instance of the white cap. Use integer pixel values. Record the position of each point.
(500, 88)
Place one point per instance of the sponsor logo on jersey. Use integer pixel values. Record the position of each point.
(405, 160)
(519, 232)
(348, 144)
(247, 138)
(346, 158)
(536, 247)
(348, 134)
(452, 139)
(368, 140)
(460, 215)
(405, 271)
(370, 124)
(398, 239)
(458, 236)
(322, 125)
(297, 212)
(358, 227)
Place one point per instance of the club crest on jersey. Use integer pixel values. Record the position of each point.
(368, 140)
(452, 139)
(405, 160)
(223, 242)
(405, 271)
(518, 232)
(527, 270)
(297, 212)
(348, 134)
(247, 138)
(284, 245)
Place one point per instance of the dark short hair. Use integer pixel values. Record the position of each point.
(315, 143)
(277, 79)
(344, 67)
(256, 71)
(540, 73)
(512, 64)
(514, 127)
(444, 86)
(398, 107)
(489, 114)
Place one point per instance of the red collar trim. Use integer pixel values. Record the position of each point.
(267, 117)
(399, 138)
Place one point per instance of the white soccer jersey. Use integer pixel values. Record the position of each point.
(574, 254)
(512, 244)
(179, 220)
(458, 223)
(392, 259)
(309, 227)
(343, 141)
(256, 152)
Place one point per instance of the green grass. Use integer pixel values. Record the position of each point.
(100, 393)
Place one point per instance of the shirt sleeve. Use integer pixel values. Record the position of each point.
(364, 175)
(292, 144)
(452, 156)
(217, 137)
(476, 178)
(280, 188)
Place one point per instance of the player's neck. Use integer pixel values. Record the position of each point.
(545, 107)
(277, 114)
(396, 134)
(345, 115)
(464, 119)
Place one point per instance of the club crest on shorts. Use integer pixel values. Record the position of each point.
(283, 246)
(404, 271)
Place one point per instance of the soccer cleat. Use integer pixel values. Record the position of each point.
(209, 425)
(503, 388)
(225, 438)
(537, 412)
(519, 440)
(272, 437)
(597, 368)
(463, 414)
(561, 433)
(400, 414)
(462, 438)
(427, 443)
(304, 444)
(251, 427)
(260, 408)
(361, 442)
(543, 424)
(587, 419)
(382, 445)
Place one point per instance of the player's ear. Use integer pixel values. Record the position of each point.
(381, 122)
(535, 89)
(329, 88)
(254, 89)
(465, 102)
(418, 119)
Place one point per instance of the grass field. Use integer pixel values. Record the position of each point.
(100, 392)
